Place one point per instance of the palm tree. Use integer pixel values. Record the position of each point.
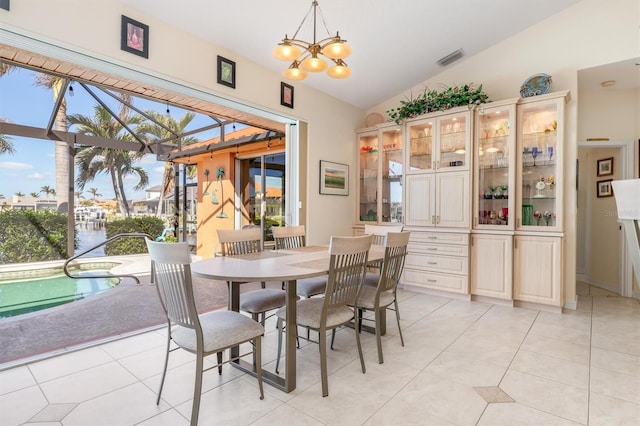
(61, 148)
(19, 194)
(47, 190)
(92, 161)
(6, 145)
(94, 193)
(154, 131)
(35, 194)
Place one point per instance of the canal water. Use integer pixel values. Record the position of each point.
(89, 236)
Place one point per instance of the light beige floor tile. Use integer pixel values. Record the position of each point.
(619, 385)
(53, 413)
(286, 415)
(180, 381)
(567, 334)
(135, 344)
(547, 395)
(568, 319)
(615, 361)
(87, 384)
(166, 418)
(597, 291)
(606, 411)
(615, 340)
(125, 406)
(149, 363)
(557, 348)
(236, 403)
(15, 378)
(467, 369)
(18, 407)
(518, 414)
(69, 363)
(582, 289)
(552, 368)
(431, 397)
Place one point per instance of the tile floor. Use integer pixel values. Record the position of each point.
(464, 363)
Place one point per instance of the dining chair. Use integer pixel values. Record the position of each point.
(234, 242)
(205, 334)
(347, 262)
(379, 233)
(291, 237)
(379, 293)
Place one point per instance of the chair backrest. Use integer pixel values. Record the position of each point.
(239, 241)
(348, 260)
(395, 252)
(287, 237)
(171, 262)
(380, 232)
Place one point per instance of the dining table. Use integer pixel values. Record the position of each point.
(286, 266)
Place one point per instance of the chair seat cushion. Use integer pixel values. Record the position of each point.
(310, 310)
(367, 298)
(220, 330)
(371, 279)
(308, 287)
(262, 300)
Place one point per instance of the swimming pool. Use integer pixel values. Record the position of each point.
(30, 295)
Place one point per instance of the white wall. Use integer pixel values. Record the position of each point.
(88, 33)
(590, 33)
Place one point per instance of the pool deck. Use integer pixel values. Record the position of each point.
(124, 310)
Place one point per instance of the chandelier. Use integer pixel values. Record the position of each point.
(334, 48)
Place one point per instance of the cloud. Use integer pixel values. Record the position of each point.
(12, 165)
(35, 176)
(158, 170)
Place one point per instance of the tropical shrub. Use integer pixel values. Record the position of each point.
(150, 225)
(33, 236)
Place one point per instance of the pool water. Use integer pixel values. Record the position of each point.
(20, 297)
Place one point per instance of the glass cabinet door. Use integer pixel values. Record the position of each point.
(368, 191)
(494, 159)
(453, 137)
(421, 135)
(540, 162)
(392, 166)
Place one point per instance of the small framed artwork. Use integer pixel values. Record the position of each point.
(4, 4)
(605, 189)
(334, 178)
(605, 167)
(286, 94)
(226, 72)
(134, 37)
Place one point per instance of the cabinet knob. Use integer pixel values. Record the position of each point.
(432, 263)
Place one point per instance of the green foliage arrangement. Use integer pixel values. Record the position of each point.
(432, 100)
(147, 224)
(33, 236)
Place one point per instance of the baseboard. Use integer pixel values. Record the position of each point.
(434, 292)
(572, 305)
(537, 306)
(493, 300)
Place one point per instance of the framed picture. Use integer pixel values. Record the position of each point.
(605, 189)
(134, 37)
(605, 167)
(334, 178)
(226, 72)
(4, 4)
(286, 94)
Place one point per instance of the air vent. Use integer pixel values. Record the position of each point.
(451, 57)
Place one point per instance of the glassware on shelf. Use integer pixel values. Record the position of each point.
(549, 153)
(534, 154)
(540, 186)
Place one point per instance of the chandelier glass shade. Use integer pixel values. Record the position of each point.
(313, 56)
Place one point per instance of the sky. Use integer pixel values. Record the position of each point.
(32, 165)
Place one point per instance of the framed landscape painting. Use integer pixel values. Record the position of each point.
(334, 178)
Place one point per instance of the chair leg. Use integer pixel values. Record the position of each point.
(257, 352)
(378, 314)
(333, 337)
(255, 318)
(279, 328)
(166, 363)
(395, 301)
(323, 361)
(364, 369)
(359, 322)
(219, 363)
(197, 391)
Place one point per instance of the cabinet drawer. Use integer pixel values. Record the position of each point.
(425, 262)
(441, 249)
(452, 283)
(438, 238)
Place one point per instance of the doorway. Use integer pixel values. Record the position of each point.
(601, 259)
(262, 183)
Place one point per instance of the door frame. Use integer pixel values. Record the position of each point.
(626, 172)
